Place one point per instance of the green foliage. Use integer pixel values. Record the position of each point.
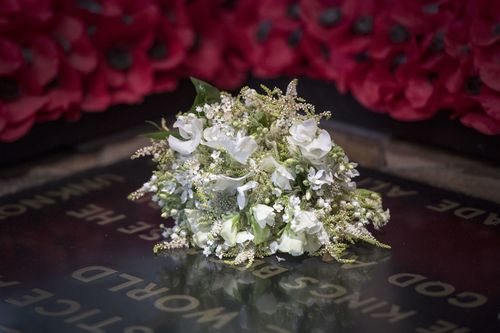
(205, 94)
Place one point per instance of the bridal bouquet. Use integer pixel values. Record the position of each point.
(253, 175)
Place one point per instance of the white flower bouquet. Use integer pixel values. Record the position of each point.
(250, 176)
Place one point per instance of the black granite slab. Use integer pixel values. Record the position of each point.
(76, 256)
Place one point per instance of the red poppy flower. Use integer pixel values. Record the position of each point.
(20, 18)
(204, 56)
(169, 45)
(72, 35)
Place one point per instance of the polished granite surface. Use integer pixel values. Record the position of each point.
(76, 256)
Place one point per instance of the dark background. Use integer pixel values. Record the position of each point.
(60, 135)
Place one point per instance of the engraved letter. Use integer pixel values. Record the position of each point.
(337, 291)
(468, 212)
(30, 299)
(148, 291)
(71, 307)
(300, 282)
(394, 314)
(97, 272)
(405, 279)
(435, 289)
(192, 303)
(444, 205)
(131, 281)
(474, 300)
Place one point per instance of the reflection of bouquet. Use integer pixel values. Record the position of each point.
(252, 175)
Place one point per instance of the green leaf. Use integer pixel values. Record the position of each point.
(161, 135)
(260, 234)
(205, 94)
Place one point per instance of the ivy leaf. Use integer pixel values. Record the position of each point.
(205, 94)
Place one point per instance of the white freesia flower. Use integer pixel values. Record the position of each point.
(190, 128)
(292, 243)
(281, 176)
(264, 215)
(305, 221)
(241, 198)
(243, 236)
(312, 147)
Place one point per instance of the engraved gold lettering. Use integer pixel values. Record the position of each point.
(468, 212)
(87, 211)
(4, 284)
(468, 300)
(105, 217)
(358, 264)
(300, 282)
(146, 292)
(444, 205)
(354, 300)
(65, 193)
(135, 228)
(405, 279)
(12, 210)
(151, 235)
(191, 303)
(37, 202)
(396, 192)
(97, 327)
(394, 314)
(69, 307)
(435, 289)
(492, 219)
(217, 314)
(268, 271)
(97, 272)
(39, 296)
(373, 307)
(131, 281)
(337, 291)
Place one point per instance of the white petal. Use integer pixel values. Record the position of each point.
(243, 236)
(223, 183)
(263, 215)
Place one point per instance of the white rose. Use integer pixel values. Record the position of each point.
(305, 221)
(292, 243)
(190, 128)
(263, 215)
